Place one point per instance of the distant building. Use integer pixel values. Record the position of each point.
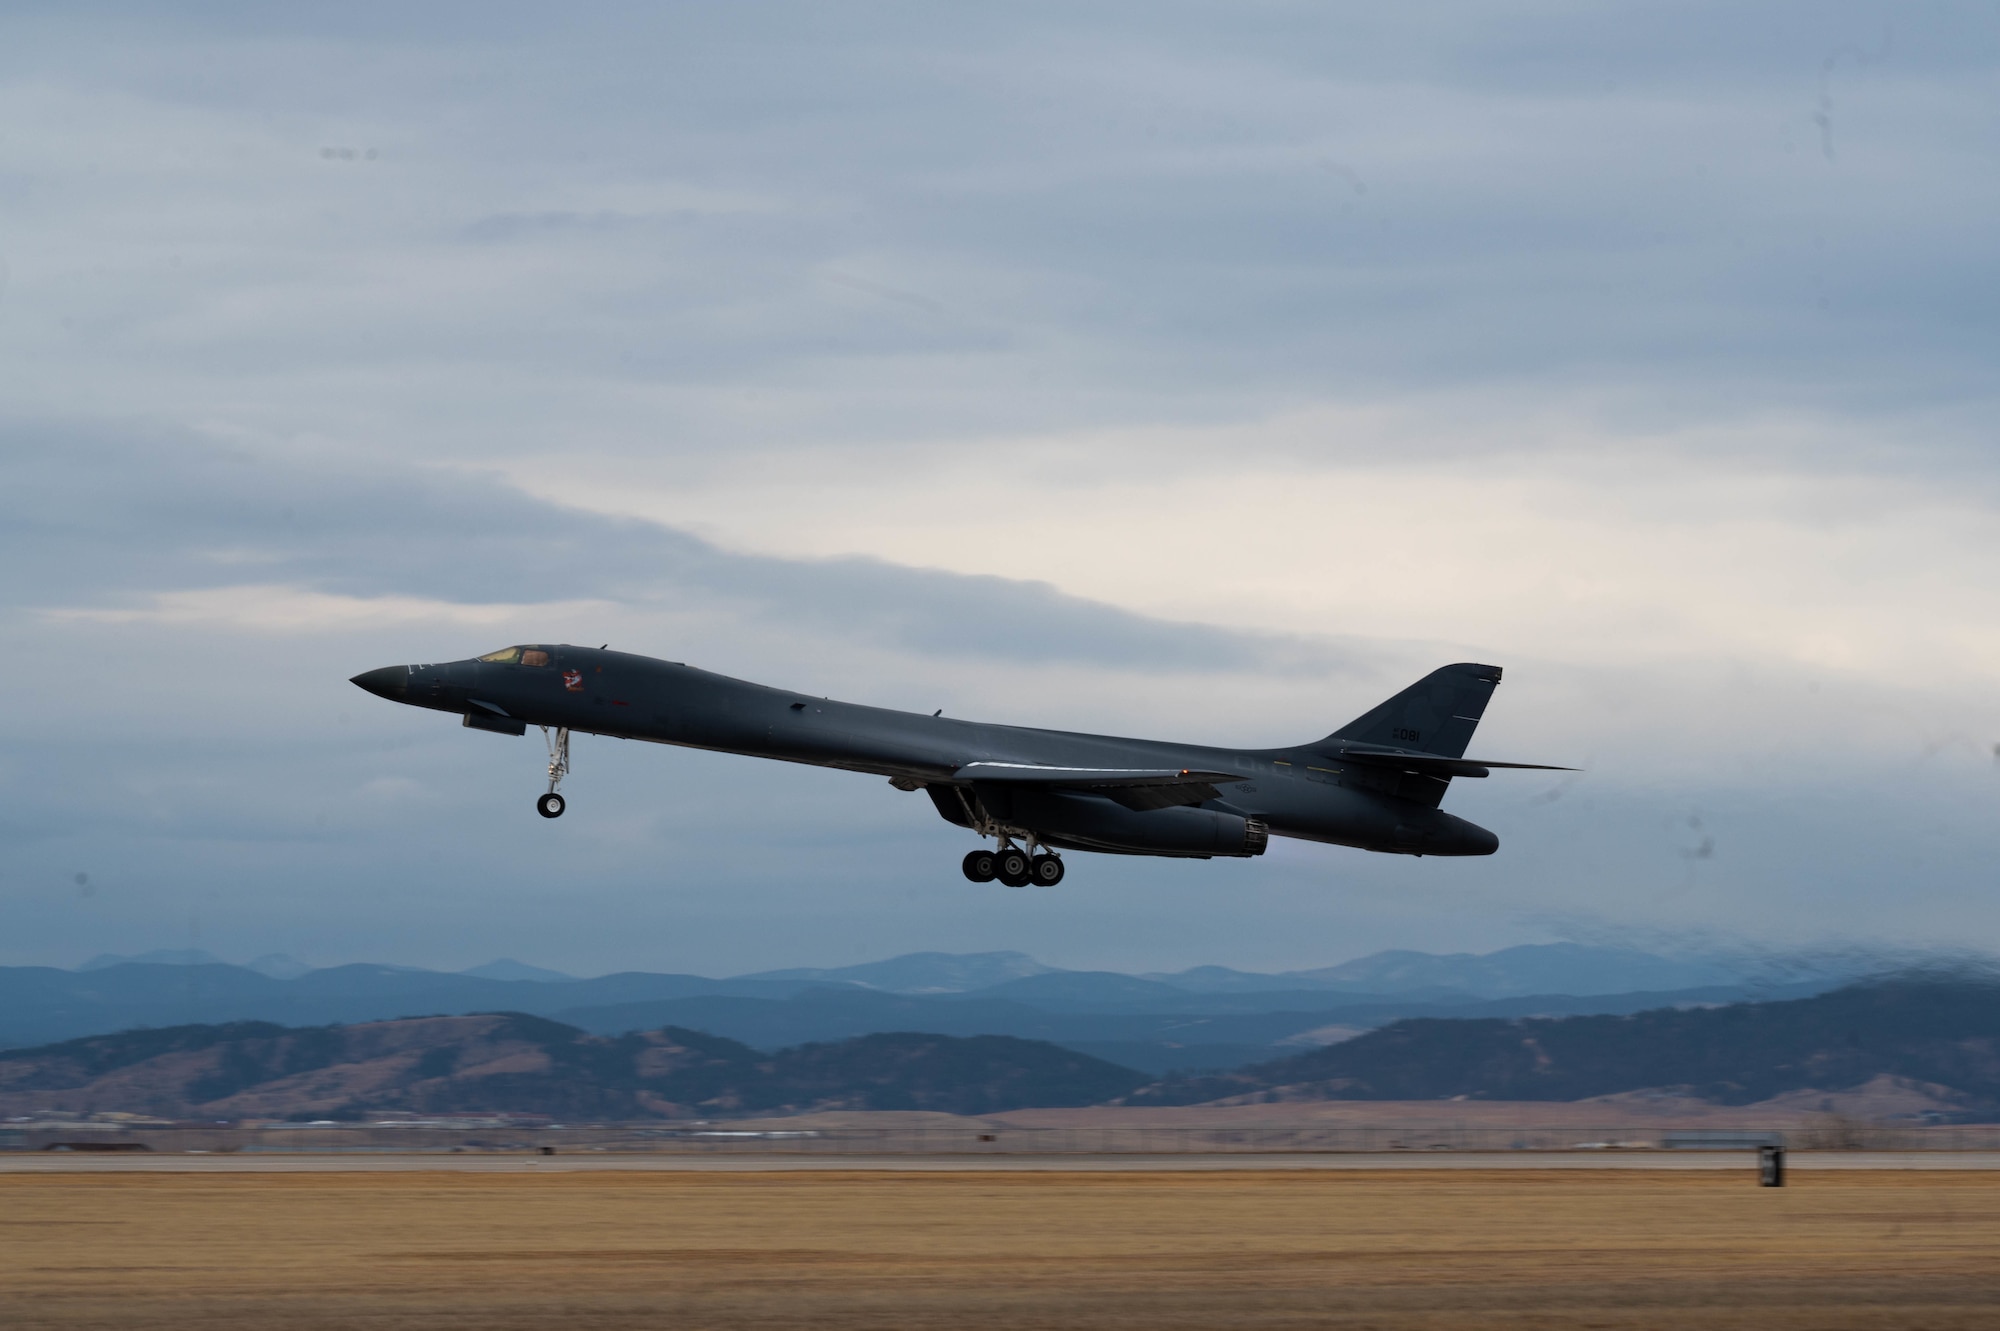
(468, 1120)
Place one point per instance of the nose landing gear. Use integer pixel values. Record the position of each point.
(552, 804)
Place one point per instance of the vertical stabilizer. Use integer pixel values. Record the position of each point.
(1437, 714)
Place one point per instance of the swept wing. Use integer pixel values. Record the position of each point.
(1138, 788)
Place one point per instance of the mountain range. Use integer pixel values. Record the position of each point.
(1535, 968)
(1936, 1043)
(1206, 1018)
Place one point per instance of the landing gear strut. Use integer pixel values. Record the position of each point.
(552, 804)
(1009, 863)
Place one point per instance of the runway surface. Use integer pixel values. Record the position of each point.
(612, 1162)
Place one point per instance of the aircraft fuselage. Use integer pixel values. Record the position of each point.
(1311, 792)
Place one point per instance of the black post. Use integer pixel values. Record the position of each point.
(1771, 1166)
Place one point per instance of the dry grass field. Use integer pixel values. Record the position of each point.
(1609, 1249)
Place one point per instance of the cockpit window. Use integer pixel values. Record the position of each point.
(527, 656)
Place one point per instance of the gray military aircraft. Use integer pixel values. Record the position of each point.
(1374, 784)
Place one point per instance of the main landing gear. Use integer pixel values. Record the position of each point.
(552, 804)
(1014, 867)
(1009, 863)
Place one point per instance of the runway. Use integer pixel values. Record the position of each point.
(674, 1163)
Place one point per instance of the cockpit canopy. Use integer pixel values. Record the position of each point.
(527, 656)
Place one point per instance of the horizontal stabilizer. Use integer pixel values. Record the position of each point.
(1432, 764)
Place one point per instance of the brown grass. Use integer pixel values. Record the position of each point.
(1610, 1249)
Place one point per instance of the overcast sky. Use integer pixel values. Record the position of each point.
(1198, 371)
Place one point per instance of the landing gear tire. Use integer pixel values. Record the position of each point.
(551, 805)
(982, 866)
(1045, 871)
(1013, 867)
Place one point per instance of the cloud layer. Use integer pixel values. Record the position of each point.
(1193, 370)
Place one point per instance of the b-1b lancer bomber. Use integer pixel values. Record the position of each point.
(1375, 783)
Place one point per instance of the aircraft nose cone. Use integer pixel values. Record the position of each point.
(389, 682)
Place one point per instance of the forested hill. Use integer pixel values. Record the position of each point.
(1944, 1032)
(524, 1064)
